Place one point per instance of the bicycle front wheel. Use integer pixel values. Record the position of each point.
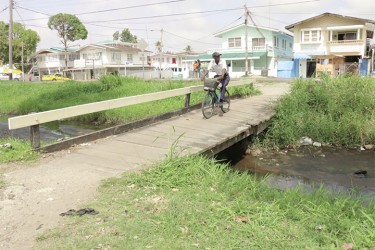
(225, 105)
(208, 105)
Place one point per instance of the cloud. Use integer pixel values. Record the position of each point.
(183, 30)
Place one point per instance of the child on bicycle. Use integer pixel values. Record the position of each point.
(219, 66)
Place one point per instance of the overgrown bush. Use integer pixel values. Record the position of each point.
(340, 111)
(108, 82)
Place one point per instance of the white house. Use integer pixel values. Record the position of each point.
(175, 63)
(266, 47)
(110, 57)
(332, 43)
(47, 61)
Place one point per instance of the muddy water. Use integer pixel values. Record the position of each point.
(311, 166)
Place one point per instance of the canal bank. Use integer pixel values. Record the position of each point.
(339, 170)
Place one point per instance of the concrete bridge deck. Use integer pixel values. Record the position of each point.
(36, 195)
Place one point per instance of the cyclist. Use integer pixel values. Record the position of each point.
(219, 66)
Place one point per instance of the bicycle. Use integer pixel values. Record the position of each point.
(211, 99)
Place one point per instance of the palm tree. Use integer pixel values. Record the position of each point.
(188, 49)
(158, 46)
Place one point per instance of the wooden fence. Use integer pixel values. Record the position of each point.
(33, 120)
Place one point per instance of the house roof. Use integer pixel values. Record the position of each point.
(218, 34)
(56, 50)
(111, 46)
(227, 56)
(291, 26)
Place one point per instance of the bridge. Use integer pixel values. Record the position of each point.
(68, 178)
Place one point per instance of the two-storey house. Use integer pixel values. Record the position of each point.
(333, 44)
(48, 61)
(175, 63)
(266, 47)
(110, 57)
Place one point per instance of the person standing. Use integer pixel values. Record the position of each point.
(198, 68)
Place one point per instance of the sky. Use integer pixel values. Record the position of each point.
(179, 19)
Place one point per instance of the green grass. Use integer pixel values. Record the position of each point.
(23, 98)
(20, 151)
(195, 202)
(340, 111)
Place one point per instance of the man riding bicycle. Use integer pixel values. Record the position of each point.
(219, 66)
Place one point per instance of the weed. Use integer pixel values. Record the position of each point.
(340, 111)
(37, 97)
(190, 202)
(20, 151)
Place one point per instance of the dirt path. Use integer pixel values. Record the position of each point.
(36, 194)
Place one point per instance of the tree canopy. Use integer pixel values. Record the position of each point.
(30, 39)
(116, 36)
(158, 46)
(125, 36)
(188, 49)
(69, 29)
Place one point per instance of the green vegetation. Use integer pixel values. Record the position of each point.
(36, 97)
(29, 37)
(195, 202)
(20, 151)
(339, 111)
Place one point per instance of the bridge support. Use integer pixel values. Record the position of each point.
(35, 136)
(187, 100)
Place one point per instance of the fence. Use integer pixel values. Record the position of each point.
(35, 119)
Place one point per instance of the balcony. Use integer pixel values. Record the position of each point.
(347, 46)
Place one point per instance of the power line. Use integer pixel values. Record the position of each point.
(1, 11)
(130, 7)
(107, 10)
(166, 15)
(187, 38)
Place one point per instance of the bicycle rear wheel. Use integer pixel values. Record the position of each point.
(225, 105)
(208, 105)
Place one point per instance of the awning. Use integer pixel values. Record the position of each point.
(301, 56)
(227, 56)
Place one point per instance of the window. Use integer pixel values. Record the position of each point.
(347, 36)
(259, 42)
(92, 56)
(234, 42)
(116, 56)
(311, 36)
(291, 45)
(129, 58)
(275, 41)
(74, 56)
(283, 43)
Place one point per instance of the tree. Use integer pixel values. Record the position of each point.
(29, 38)
(158, 46)
(69, 29)
(188, 49)
(116, 36)
(128, 37)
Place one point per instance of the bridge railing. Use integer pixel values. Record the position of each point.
(33, 120)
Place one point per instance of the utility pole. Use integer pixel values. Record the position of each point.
(10, 39)
(161, 49)
(246, 14)
(23, 74)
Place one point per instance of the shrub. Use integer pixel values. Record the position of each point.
(108, 82)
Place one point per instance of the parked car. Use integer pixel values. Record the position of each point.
(5, 76)
(55, 77)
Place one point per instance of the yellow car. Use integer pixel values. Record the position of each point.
(55, 77)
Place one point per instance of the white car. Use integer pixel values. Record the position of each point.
(5, 76)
